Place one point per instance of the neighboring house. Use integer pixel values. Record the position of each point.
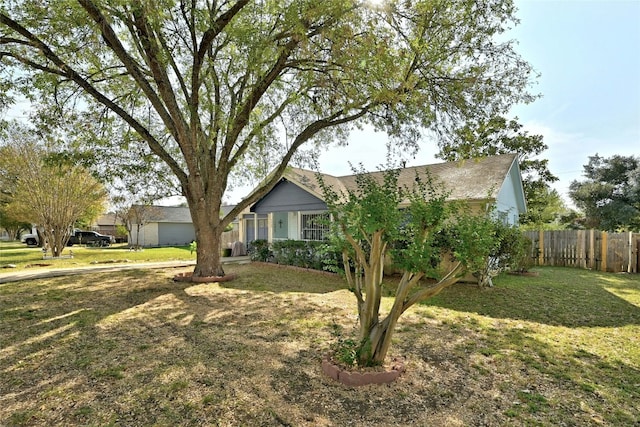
(168, 226)
(107, 224)
(292, 208)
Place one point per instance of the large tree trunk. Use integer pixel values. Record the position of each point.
(208, 254)
(208, 228)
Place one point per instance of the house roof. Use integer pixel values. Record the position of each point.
(108, 219)
(475, 179)
(169, 214)
(175, 213)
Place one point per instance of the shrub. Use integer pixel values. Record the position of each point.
(259, 250)
(299, 253)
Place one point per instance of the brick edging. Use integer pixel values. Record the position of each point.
(357, 379)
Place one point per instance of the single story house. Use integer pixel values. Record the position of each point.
(108, 224)
(291, 209)
(169, 226)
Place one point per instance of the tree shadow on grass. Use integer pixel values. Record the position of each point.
(539, 381)
(278, 278)
(134, 348)
(179, 353)
(558, 296)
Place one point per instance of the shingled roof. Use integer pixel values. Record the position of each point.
(476, 179)
(175, 214)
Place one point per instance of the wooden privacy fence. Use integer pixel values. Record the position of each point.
(593, 249)
(228, 237)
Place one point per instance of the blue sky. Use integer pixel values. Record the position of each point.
(588, 54)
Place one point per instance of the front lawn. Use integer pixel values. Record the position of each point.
(29, 257)
(134, 348)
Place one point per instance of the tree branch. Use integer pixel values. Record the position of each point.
(66, 71)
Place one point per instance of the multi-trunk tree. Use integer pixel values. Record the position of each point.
(227, 89)
(51, 194)
(432, 241)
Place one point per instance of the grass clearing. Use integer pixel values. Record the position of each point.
(29, 257)
(135, 348)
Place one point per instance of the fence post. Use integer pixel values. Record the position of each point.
(592, 249)
(581, 253)
(603, 251)
(630, 251)
(541, 247)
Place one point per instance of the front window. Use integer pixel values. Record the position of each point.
(314, 226)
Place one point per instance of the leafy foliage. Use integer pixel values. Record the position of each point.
(610, 194)
(498, 135)
(12, 226)
(214, 90)
(52, 195)
(507, 247)
(426, 236)
(317, 255)
(259, 250)
(546, 210)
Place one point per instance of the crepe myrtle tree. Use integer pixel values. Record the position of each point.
(227, 90)
(426, 236)
(53, 195)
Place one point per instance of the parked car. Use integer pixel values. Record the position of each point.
(79, 237)
(90, 238)
(30, 239)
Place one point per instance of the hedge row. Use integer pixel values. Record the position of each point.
(300, 253)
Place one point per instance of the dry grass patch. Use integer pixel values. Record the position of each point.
(134, 348)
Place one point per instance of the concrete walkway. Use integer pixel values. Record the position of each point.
(16, 276)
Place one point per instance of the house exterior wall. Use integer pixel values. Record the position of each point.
(171, 234)
(148, 235)
(164, 234)
(288, 197)
(509, 202)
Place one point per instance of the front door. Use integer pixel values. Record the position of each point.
(251, 229)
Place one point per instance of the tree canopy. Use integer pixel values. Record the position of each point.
(499, 135)
(237, 88)
(51, 194)
(610, 194)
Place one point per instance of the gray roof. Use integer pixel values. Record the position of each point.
(475, 179)
(175, 213)
(108, 219)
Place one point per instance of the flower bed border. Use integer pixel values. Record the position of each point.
(357, 379)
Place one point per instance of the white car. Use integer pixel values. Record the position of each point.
(30, 239)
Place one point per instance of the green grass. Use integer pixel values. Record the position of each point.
(135, 348)
(577, 327)
(25, 257)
